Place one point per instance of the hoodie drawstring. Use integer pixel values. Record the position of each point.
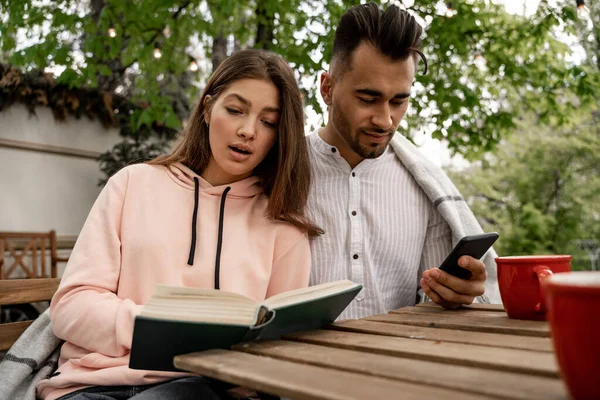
(194, 219)
(219, 238)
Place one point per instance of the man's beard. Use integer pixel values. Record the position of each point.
(342, 126)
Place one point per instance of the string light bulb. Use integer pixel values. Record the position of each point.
(450, 11)
(112, 33)
(582, 10)
(479, 60)
(193, 65)
(157, 52)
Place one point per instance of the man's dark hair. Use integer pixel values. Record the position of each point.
(393, 32)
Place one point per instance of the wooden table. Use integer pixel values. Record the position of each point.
(422, 352)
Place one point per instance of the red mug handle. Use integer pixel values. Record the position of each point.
(542, 272)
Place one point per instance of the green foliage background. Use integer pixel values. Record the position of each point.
(470, 106)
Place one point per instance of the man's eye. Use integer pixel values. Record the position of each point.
(233, 111)
(398, 103)
(367, 101)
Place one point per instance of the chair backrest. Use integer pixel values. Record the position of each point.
(28, 252)
(21, 291)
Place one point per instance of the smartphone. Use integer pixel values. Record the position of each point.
(475, 246)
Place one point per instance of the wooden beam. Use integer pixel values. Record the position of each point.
(49, 149)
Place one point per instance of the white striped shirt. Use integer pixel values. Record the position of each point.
(381, 230)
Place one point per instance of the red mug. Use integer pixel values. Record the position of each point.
(573, 302)
(520, 282)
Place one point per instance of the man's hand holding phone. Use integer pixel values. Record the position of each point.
(452, 292)
(461, 277)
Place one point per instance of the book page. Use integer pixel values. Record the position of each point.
(200, 305)
(179, 291)
(308, 293)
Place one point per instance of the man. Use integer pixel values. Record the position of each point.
(390, 217)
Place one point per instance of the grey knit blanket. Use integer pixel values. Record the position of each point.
(32, 357)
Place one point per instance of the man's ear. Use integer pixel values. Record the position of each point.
(207, 102)
(327, 87)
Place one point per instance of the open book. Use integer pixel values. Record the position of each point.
(180, 320)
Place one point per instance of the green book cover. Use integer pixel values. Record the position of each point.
(157, 341)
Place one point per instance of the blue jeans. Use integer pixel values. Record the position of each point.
(196, 388)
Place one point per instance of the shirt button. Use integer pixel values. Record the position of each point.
(353, 212)
(353, 174)
(355, 256)
(333, 150)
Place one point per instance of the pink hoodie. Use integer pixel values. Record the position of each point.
(139, 234)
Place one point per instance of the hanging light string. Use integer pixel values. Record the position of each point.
(157, 52)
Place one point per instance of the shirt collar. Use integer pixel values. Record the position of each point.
(322, 146)
(325, 148)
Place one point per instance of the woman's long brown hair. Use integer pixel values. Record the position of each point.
(285, 171)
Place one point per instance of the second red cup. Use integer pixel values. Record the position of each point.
(573, 307)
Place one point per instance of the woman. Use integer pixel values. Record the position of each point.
(225, 210)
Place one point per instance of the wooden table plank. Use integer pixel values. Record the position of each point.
(445, 335)
(510, 360)
(497, 324)
(459, 311)
(477, 380)
(474, 306)
(305, 382)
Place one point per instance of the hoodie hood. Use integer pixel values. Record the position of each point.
(184, 176)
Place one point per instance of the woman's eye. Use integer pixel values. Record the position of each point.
(270, 124)
(398, 103)
(367, 101)
(233, 111)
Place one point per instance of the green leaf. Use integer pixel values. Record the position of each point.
(104, 70)
(68, 77)
(172, 121)
(145, 118)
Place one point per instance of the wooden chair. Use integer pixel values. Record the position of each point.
(20, 291)
(37, 244)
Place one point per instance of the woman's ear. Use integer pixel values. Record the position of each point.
(326, 87)
(207, 108)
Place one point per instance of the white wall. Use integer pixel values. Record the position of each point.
(40, 191)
